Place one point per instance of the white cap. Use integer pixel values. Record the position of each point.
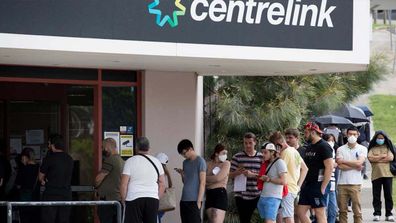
(270, 147)
(162, 157)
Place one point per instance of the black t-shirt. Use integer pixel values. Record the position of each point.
(315, 154)
(27, 176)
(58, 168)
(301, 150)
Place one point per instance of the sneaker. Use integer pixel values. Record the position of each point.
(390, 218)
(376, 218)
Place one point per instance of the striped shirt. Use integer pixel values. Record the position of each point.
(333, 179)
(252, 163)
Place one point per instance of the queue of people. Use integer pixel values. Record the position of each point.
(285, 181)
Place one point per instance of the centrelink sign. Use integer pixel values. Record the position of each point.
(304, 24)
(295, 13)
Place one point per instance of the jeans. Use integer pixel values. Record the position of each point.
(331, 203)
(386, 183)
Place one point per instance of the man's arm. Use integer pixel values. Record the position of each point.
(42, 178)
(202, 181)
(124, 187)
(354, 164)
(344, 167)
(328, 163)
(100, 177)
(303, 173)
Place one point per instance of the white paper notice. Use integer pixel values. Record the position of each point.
(240, 183)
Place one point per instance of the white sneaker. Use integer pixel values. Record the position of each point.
(390, 218)
(376, 218)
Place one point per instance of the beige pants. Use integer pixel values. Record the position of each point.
(346, 192)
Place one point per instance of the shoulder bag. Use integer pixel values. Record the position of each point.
(168, 201)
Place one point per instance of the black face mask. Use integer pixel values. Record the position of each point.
(105, 153)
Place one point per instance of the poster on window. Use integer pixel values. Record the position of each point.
(35, 136)
(115, 136)
(126, 145)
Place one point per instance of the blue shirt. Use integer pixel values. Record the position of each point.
(192, 169)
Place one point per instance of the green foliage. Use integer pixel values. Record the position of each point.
(384, 109)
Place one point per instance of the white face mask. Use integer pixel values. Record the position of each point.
(352, 140)
(223, 157)
(331, 143)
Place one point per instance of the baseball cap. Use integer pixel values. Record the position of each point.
(269, 146)
(313, 126)
(162, 157)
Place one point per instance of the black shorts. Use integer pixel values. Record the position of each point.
(216, 198)
(311, 195)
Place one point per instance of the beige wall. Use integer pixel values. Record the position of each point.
(172, 110)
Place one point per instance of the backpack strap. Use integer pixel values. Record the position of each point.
(156, 169)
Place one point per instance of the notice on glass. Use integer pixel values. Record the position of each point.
(126, 145)
(35, 136)
(16, 145)
(115, 136)
(240, 183)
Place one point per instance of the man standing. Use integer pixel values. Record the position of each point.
(296, 172)
(55, 174)
(194, 178)
(142, 184)
(247, 163)
(319, 160)
(292, 139)
(107, 182)
(350, 158)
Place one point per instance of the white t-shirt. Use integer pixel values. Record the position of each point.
(353, 177)
(143, 177)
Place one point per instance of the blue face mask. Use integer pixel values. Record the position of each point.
(380, 141)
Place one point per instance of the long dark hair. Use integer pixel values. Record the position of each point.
(218, 148)
(387, 142)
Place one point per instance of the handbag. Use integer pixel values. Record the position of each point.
(393, 167)
(168, 201)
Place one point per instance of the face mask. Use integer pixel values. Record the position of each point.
(105, 153)
(331, 143)
(223, 158)
(352, 140)
(380, 141)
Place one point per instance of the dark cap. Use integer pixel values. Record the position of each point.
(313, 126)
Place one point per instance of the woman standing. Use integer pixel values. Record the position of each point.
(216, 182)
(26, 182)
(380, 154)
(274, 180)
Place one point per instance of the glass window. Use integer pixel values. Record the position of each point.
(119, 109)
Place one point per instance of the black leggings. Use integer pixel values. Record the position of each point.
(245, 208)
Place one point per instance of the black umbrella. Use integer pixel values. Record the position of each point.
(352, 113)
(366, 110)
(333, 120)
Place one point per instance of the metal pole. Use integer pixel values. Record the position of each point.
(390, 28)
(119, 217)
(9, 212)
